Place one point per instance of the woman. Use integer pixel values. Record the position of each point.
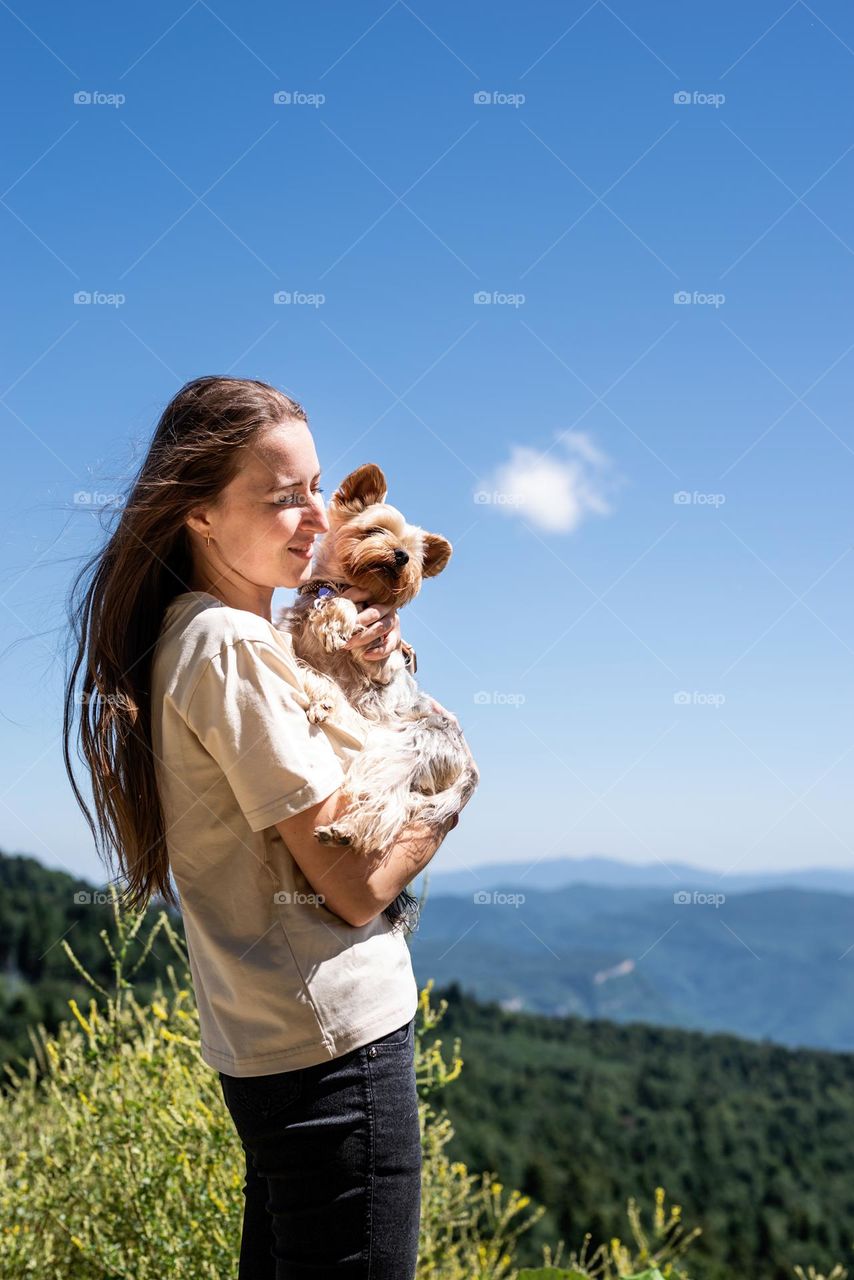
(203, 765)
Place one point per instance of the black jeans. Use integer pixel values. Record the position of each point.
(333, 1166)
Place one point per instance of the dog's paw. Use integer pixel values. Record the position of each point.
(333, 834)
(320, 711)
(332, 637)
(334, 622)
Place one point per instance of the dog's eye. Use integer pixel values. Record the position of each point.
(377, 530)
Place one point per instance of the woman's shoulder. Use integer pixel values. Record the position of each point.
(208, 650)
(197, 628)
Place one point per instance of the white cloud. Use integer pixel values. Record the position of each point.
(554, 490)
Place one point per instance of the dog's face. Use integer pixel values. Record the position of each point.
(373, 543)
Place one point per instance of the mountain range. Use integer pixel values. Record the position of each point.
(772, 963)
(556, 873)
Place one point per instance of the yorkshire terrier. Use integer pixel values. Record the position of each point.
(414, 766)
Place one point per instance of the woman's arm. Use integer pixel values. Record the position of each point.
(352, 886)
(356, 888)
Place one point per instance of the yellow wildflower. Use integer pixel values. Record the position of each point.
(79, 1016)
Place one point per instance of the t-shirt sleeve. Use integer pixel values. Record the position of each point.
(248, 711)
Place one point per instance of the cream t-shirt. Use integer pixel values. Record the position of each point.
(281, 982)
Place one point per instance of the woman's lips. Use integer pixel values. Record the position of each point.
(302, 554)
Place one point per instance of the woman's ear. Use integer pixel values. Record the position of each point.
(198, 521)
(437, 553)
(360, 489)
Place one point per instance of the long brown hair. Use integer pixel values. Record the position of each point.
(116, 606)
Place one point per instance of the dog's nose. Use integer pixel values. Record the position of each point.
(401, 557)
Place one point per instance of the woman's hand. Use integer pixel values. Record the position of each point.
(443, 711)
(382, 628)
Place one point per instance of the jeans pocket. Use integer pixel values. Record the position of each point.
(401, 1038)
(263, 1096)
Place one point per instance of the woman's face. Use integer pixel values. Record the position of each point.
(264, 522)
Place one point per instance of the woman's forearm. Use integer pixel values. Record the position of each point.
(403, 862)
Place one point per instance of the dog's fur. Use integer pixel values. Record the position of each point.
(414, 766)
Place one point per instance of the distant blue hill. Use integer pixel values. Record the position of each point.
(773, 964)
(555, 873)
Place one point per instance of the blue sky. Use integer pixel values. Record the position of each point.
(640, 445)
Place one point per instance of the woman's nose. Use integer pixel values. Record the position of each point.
(317, 513)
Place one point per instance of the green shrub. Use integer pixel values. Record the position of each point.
(120, 1161)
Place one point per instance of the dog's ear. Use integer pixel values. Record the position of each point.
(437, 553)
(361, 488)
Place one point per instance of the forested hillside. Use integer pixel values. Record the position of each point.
(39, 907)
(753, 1140)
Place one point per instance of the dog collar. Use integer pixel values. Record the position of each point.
(322, 587)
